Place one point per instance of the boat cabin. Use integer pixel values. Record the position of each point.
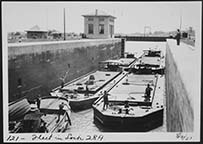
(152, 53)
(110, 65)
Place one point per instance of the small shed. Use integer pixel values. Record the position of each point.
(37, 33)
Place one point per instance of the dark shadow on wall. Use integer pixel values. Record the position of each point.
(40, 72)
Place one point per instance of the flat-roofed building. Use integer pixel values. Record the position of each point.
(99, 25)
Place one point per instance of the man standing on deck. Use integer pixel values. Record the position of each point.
(38, 102)
(148, 91)
(106, 101)
(61, 112)
(87, 90)
(63, 79)
(62, 82)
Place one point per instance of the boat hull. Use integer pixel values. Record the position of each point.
(160, 71)
(78, 105)
(135, 124)
(84, 103)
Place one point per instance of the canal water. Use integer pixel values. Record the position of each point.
(83, 121)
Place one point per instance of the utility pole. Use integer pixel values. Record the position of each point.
(46, 18)
(64, 23)
(180, 21)
(180, 17)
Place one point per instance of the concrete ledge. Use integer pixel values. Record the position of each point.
(188, 64)
(182, 85)
(38, 47)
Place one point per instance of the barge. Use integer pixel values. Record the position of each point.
(81, 93)
(46, 117)
(152, 61)
(128, 107)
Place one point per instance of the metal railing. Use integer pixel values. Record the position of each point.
(74, 80)
(96, 102)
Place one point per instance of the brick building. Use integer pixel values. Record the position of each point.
(99, 25)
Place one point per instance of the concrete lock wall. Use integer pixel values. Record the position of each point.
(179, 108)
(40, 65)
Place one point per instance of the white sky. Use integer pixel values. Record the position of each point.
(131, 16)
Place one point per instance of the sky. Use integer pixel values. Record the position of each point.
(131, 17)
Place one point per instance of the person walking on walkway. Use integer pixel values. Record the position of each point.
(178, 35)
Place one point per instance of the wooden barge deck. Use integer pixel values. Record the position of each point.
(143, 115)
(27, 118)
(50, 107)
(76, 92)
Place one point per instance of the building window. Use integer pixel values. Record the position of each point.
(111, 20)
(90, 19)
(101, 19)
(101, 28)
(90, 29)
